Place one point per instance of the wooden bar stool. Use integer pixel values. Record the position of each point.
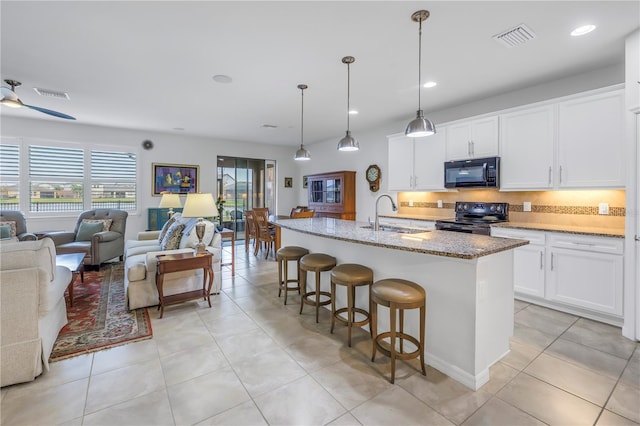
(283, 256)
(350, 275)
(397, 294)
(314, 262)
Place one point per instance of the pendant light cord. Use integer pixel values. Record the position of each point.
(302, 120)
(419, 64)
(348, 92)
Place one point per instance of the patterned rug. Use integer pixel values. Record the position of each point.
(99, 318)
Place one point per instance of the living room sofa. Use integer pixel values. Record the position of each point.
(32, 307)
(140, 265)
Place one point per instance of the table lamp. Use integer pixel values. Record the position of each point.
(170, 200)
(200, 206)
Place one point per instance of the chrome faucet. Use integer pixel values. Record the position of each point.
(376, 224)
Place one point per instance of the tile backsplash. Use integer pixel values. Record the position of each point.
(576, 208)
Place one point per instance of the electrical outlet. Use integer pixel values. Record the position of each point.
(526, 206)
(410, 203)
(439, 204)
(603, 208)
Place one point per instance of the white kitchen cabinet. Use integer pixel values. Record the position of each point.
(528, 261)
(579, 274)
(586, 272)
(591, 141)
(527, 143)
(417, 164)
(474, 138)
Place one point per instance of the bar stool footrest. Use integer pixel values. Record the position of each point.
(344, 321)
(398, 355)
(306, 298)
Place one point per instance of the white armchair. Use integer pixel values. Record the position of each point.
(140, 265)
(32, 308)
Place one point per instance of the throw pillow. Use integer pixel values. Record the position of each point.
(87, 229)
(12, 227)
(167, 225)
(106, 223)
(171, 240)
(5, 232)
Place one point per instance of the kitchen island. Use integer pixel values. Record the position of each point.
(468, 280)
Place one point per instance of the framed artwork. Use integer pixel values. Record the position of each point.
(288, 182)
(305, 182)
(176, 178)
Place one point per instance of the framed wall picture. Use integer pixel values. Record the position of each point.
(288, 182)
(176, 178)
(305, 181)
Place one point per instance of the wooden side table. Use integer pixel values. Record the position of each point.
(230, 234)
(167, 263)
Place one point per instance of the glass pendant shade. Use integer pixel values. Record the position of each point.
(348, 143)
(420, 127)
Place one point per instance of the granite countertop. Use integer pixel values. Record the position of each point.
(581, 230)
(532, 226)
(437, 243)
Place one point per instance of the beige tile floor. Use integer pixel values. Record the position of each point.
(250, 360)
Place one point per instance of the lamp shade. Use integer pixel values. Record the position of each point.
(420, 127)
(170, 200)
(348, 143)
(199, 205)
(302, 154)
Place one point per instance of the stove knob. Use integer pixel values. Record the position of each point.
(499, 208)
(492, 208)
(465, 207)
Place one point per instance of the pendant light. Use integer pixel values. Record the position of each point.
(420, 126)
(348, 143)
(302, 154)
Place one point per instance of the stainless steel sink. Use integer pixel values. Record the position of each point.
(387, 228)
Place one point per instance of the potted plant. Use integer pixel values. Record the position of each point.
(220, 206)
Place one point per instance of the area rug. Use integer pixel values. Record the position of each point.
(99, 318)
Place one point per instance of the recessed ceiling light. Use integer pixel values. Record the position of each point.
(269, 126)
(585, 29)
(221, 78)
(180, 129)
(353, 112)
(430, 84)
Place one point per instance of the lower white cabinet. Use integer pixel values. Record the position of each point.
(579, 274)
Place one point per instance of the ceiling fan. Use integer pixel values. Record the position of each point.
(10, 99)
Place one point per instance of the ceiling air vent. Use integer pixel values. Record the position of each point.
(51, 93)
(515, 36)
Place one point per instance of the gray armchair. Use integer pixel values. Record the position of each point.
(21, 224)
(99, 246)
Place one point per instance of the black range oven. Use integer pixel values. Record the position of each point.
(475, 218)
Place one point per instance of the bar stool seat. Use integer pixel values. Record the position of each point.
(283, 256)
(314, 262)
(352, 276)
(397, 294)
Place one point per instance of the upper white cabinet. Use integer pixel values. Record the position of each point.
(526, 148)
(417, 164)
(572, 144)
(475, 138)
(591, 141)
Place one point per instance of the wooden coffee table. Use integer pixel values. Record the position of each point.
(167, 263)
(75, 263)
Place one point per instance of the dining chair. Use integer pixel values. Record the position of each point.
(264, 233)
(250, 229)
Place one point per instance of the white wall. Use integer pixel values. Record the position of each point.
(373, 142)
(174, 148)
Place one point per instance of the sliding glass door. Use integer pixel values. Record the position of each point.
(244, 183)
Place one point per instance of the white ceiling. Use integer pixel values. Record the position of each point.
(149, 65)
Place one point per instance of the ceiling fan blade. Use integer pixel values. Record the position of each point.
(51, 112)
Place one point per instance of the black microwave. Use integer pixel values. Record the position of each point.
(473, 173)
